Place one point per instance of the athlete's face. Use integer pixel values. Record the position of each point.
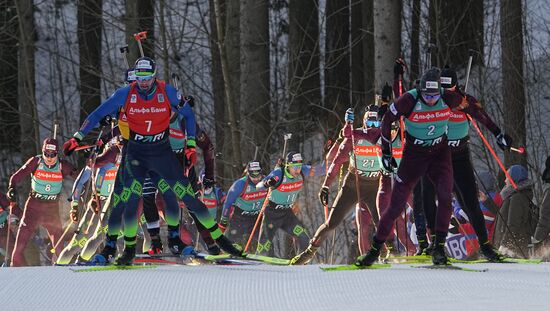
(145, 82)
(50, 158)
(255, 177)
(295, 169)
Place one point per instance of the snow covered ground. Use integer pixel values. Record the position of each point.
(262, 287)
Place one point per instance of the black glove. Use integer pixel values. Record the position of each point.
(208, 183)
(323, 195)
(504, 141)
(11, 194)
(387, 92)
(399, 67)
(70, 145)
(106, 121)
(388, 161)
(271, 182)
(190, 99)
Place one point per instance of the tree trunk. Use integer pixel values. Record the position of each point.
(89, 47)
(387, 35)
(255, 96)
(337, 64)
(455, 28)
(162, 29)
(220, 120)
(232, 104)
(513, 87)
(414, 64)
(26, 94)
(140, 16)
(10, 130)
(358, 36)
(368, 50)
(303, 72)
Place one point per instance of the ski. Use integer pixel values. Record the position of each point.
(269, 260)
(505, 260)
(354, 267)
(451, 267)
(115, 267)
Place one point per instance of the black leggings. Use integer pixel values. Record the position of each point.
(466, 192)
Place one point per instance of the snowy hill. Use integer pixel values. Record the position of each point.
(262, 287)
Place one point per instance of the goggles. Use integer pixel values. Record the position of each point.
(431, 96)
(50, 154)
(144, 78)
(254, 174)
(372, 123)
(295, 165)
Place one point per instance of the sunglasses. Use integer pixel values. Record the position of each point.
(50, 155)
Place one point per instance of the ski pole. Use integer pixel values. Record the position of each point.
(55, 126)
(514, 239)
(286, 137)
(124, 51)
(140, 36)
(92, 181)
(7, 257)
(357, 190)
(476, 127)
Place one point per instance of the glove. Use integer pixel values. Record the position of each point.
(349, 117)
(223, 226)
(504, 141)
(190, 156)
(106, 121)
(69, 146)
(399, 67)
(94, 204)
(74, 211)
(190, 100)
(208, 183)
(271, 182)
(323, 195)
(387, 93)
(388, 161)
(11, 194)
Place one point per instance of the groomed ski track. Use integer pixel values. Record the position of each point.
(263, 287)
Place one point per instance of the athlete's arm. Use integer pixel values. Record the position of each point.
(79, 183)
(401, 107)
(232, 196)
(186, 111)
(27, 168)
(108, 107)
(208, 153)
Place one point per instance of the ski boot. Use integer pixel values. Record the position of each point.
(438, 255)
(225, 244)
(422, 246)
(156, 246)
(490, 253)
(304, 257)
(371, 256)
(127, 257)
(213, 249)
(177, 247)
(106, 255)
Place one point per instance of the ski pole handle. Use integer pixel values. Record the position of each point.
(140, 36)
(518, 150)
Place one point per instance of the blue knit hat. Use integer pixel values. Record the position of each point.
(518, 173)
